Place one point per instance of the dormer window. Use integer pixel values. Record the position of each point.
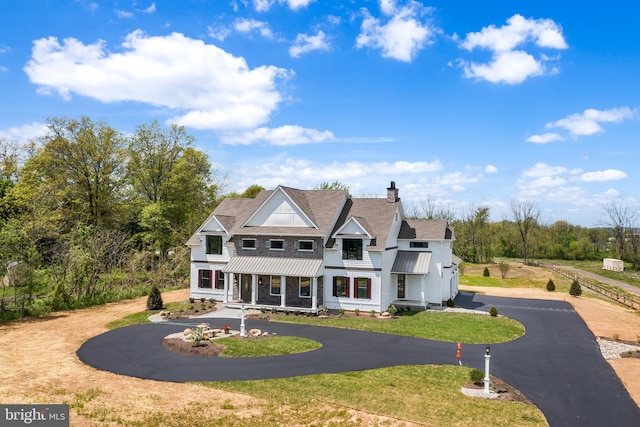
(352, 249)
(419, 244)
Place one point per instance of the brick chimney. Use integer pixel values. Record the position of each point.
(392, 193)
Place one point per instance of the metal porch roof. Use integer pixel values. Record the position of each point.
(272, 266)
(410, 262)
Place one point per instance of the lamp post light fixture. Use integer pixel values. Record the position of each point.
(487, 359)
(243, 333)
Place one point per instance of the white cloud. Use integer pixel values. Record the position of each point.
(402, 36)
(207, 87)
(265, 5)
(305, 44)
(505, 67)
(123, 14)
(457, 188)
(542, 169)
(545, 138)
(218, 32)
(150, 9)
(602, 176)
(518, 31)
(283, 135)
(24, 132)
(588, 122)
(508, 64)
(491, 169)
(249, 25)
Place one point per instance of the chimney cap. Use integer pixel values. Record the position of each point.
(392, 185)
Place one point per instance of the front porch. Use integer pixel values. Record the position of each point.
(238, 305)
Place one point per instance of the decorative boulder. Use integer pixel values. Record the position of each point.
(386, 314)
(255, 332)
(188, 331)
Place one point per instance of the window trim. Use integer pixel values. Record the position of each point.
(250, 248)
(201, 278)
(271, 286)
(305, 241)
(419, 244)
(347, 286)
(359, 251)
(219, 280)
(206, 244)
(300, 287)
(356, 287)
(271, 248)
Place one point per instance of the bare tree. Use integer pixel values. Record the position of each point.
(430, 209)
(621, 219)
(525, 215)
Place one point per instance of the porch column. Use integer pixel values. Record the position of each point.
(225, 294)
(422, 290)
(283, 291)
(314, 293)
(254, 288)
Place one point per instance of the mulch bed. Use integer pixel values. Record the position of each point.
(205, 348)
(505, 391)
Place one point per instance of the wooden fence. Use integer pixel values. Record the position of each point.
(615, 294)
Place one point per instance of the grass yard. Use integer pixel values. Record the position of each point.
(518, 276)
(434, 325)
(270, 346)
(428, 395)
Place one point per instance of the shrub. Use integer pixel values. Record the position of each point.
(476, 376)
(504, 268)
(322, 310)
(450, 303)
(191, 300)
(357, 311)
(485, 273)
(372, 313)
(551, 286)
(154, 301)
(392, 310)
(575, 289)
(197, 337)
(342, 311)
(202, 299)
(493, 311)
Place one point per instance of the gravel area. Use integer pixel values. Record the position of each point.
(612, 349)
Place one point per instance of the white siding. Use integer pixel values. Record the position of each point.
(279, 211)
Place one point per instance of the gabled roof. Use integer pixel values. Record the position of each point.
(377, 214)
(295, 196)
(425, 229)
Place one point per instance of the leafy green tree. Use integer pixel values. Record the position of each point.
(80, 165)
(335, 185)
(154, 301)
(575, 289)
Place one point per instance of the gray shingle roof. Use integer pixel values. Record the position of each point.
(425, 229)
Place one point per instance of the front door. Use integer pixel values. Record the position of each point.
(246, 287)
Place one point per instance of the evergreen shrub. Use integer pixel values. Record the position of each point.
(154, 301)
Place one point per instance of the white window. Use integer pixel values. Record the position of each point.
(249, 243)
(276, 244)
(305, 245)
(305, 287)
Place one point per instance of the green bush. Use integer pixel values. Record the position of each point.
(476, 376)
(154, 301)
(450, 303)
(575, 289)
(493, 311)
(485, 273)
(392, 310)
(551, 286)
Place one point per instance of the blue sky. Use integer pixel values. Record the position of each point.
(463, 103)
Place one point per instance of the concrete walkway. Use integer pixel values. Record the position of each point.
(557, 363)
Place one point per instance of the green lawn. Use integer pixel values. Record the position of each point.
(266, 346)
(424, 394)
(434, 325)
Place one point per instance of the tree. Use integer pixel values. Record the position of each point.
(473, 237)
(81, 165)
(525, 215)
(622, 221)
(430, 209)
(335, 185)
(575, 289)
(154, 300)
(504, 268)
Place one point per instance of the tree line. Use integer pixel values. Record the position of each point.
(89, 215)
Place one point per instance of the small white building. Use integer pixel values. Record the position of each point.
(299, 249)
(612, 264)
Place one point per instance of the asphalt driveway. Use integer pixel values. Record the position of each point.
(557, 363)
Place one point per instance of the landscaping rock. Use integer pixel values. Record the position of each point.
(255, 332)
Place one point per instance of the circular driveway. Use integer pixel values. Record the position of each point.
(557, 363)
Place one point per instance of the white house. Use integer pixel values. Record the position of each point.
(300, 249)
